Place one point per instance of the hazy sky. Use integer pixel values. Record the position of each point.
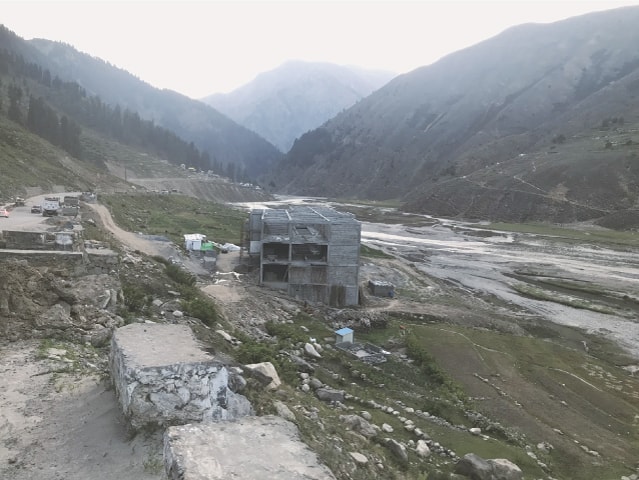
(202, 47)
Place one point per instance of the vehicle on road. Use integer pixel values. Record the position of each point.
(4, 213)
(36, 209)
(50, 206)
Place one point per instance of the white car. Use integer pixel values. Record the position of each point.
(4, 213)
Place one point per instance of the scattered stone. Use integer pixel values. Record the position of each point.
(475, 467)
(475, 431)
(330, 395)
(366, 416)
(359, 458)
(397, 449)
(302, 365)
(422, 449)
(310, 351)
(265, 370)
(387, 428)
(358, 425)
(283, 411)
(315, 383)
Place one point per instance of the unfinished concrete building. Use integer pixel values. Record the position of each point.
(311, 252)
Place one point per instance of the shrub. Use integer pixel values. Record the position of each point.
(135, 297)
(202, 308)
(179, 275)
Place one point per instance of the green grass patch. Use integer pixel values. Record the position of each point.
(174, 215)
(556, 297)
(572, 235)
(370, 252)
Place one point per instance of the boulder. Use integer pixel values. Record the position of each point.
(358, 425)
(476, 468)
(311, 351)
(265, 369)
(301, 364)
(359, 458)
(422, 449)
(397, 449)
(504, 469)
(329, 394)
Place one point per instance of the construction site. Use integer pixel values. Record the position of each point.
(311, 252)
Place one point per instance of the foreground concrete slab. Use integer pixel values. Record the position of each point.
(251, 448)
(163, 377)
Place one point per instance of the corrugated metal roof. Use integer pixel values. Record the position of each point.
(194, 236)
(343, 331)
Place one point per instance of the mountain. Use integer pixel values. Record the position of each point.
(540, 122)
(282, 104)
(225, 141)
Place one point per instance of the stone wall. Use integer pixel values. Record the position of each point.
(91, 262)
(162, 377)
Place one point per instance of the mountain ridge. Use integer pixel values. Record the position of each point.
(283, 103)
(209, 130)
(418, 138)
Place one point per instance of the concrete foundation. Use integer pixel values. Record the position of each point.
(252, 448)
(162, 377)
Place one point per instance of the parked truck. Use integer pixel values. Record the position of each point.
(71, 201)
(50, 206)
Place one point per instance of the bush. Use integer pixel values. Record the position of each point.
(253, 352)
(178, 275)
(135, 297)
(202, 308)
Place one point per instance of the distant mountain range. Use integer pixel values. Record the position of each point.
(282, 104)
(540, 123)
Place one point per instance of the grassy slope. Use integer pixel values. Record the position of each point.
(529, 388)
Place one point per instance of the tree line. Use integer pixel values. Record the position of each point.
(54, 109)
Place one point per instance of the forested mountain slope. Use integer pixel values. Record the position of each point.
(226, 142)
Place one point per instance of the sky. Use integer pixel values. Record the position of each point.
(198, 48)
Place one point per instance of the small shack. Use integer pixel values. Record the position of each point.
(193, 241)
(344, 335)
(381, 288)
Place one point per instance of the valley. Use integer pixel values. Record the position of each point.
(532, 329)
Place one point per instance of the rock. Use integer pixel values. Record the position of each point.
(359, 458)
(266, 369)
(397, 449)
(475, 431)
(302, 365)
(475, 467)
(178, 313)
(422, 449)
(330, 395)
(505, 470)
(315, 383)
(237, 382)
(387, 428)
(358, 425)
(310, 351)
(366, 416)
(283, 411)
